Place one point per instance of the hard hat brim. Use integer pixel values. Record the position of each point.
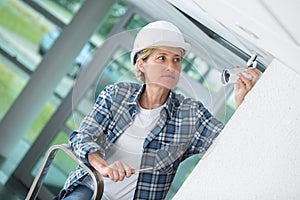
(184, 45)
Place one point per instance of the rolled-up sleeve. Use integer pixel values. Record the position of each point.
(91, 132)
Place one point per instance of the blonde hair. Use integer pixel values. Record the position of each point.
(144, 54)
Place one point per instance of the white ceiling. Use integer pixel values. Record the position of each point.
(269, 25)
(286, 14)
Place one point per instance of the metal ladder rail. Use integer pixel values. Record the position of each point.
(47, 161)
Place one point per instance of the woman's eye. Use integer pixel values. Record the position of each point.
(177, 59)
(162, 58)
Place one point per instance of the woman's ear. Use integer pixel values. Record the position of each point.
(139, 64)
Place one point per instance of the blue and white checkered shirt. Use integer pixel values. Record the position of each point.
(185, 127)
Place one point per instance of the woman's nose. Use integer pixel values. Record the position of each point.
(172, 66)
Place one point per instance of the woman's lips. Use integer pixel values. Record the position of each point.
(168, 76)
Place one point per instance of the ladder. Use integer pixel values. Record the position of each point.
(37, 183)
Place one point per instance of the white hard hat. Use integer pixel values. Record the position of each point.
(158, 33)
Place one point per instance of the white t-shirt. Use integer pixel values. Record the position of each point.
(129, 148)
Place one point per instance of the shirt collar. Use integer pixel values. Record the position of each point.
(168, 106)
(133, 99)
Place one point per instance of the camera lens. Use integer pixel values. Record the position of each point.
(226, 76)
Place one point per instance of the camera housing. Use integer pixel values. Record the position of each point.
(230, 76)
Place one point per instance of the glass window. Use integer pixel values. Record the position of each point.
(65, 85)
(113, 17)
(12, 81)
(22, 146)
(225, 113)
(118, 69)
(21, 30)
(213, 80)
(40, 122)
(71, 122)
(62, 9)
(136, 22)
(200, 71)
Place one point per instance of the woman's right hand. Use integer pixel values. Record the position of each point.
(117, 171)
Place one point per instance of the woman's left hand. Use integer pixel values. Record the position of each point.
(244, 85)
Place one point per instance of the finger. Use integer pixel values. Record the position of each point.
(115, 176)
(240, 86)
(255, 73)
(121, 174)
(121, 171)
(109, 173)
(127, 170)
(246, 82)
(132, 171)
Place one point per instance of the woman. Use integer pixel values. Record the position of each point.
(147, 126)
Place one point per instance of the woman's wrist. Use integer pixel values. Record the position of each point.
(96, 161)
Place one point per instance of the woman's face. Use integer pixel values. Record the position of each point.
(162, 67)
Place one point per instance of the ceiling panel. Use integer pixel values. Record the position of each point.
(286, 15)
(271, 26)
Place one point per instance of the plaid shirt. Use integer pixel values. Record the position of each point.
(185, 127)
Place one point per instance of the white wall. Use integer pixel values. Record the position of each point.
(257, 156)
